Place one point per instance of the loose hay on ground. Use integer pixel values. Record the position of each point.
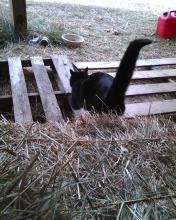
(105, 167)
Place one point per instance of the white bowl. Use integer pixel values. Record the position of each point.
(72, 40)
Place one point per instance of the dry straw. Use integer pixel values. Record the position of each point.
(105, 167)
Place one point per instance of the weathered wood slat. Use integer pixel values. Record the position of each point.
(22, 110)
(102, 65)
(57, 93)
(115, 64)
(49, 101)
(152, 74)
(147, 89)
(62, 66)
(149, 108)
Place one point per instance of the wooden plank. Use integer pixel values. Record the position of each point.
(48, 98)
(25, 63)
(100, 65)
(62, 66)
(115, 64)
(6, 100)
(150, 108)
(22, 110)
(31, 94)
(147, 89)
(19, 16)
(152, 74)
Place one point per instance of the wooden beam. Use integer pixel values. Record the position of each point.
(18, 16)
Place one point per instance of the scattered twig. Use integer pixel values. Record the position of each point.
(107, 141)
(6, 132)
(11, 152)
(81, 187)
(22, 176)
(149, 199)
(56, 173)
(23, 139)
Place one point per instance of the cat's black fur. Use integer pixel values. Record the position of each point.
(100, 91)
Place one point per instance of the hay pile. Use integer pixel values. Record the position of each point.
(104, 168)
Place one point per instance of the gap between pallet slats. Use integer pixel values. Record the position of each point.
(22, 110)
(48, 98)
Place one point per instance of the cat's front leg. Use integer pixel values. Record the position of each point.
(80, 113)
(81, 116)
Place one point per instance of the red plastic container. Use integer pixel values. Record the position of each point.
(166, 26)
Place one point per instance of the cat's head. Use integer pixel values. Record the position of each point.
(77, 74)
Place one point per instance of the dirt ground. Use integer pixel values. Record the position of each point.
(107, 30)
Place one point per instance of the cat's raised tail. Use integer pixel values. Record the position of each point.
(116, 94)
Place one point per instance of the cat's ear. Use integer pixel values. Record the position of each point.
(75, 67)
(72, 72)
(86, 69)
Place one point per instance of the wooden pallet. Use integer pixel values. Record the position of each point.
(21, 99)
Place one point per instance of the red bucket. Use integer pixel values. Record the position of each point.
(166, 26)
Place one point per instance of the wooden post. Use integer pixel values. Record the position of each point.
(19, 16)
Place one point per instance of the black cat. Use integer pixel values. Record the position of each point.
(100, 91)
